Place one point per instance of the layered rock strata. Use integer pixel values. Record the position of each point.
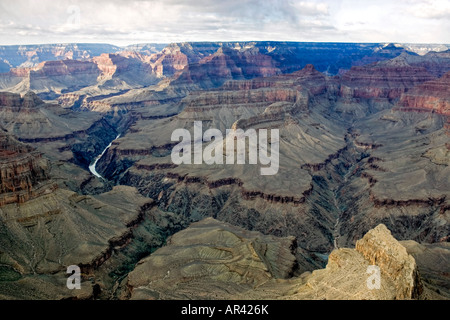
(385, 79)
(214, 260)
(23, 172)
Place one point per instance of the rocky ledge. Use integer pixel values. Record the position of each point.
(215, 260)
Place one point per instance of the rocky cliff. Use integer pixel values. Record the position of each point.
(226, 64)
(24, 173)
(385, 79)
(431, 96)
(118, 71)
(215, 260)
(46, 234)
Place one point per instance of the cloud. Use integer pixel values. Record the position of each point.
(312, 8)
(431, 9)
(125, 22)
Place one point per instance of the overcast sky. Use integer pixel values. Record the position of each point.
(128, 22)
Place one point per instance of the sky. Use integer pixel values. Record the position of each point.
(124, 22)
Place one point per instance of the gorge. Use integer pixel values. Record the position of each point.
(88, 178)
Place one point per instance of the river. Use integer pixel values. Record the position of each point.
(93, 164)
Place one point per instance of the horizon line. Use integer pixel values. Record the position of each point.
(223, 41)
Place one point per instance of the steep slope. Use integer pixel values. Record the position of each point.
(23, 172)
(70, 139)
(437, 63)
(226, 64)
(120, 72)
(43, 236)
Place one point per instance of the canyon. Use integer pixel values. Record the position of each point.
(363, 174)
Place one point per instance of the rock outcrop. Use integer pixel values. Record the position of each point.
(30, 119)
(381, 249)
(24, 173)
(215, 252)
(118, 71)
(214, 260)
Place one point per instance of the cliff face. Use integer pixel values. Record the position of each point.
(386, 79)
(72, 137)
(22, 171)
(431, 96)
(308, 77)
(49, 69)
(42, 236)
(437, 63)
(381, 249)
(226, 64)
(169, 61)
(30, 119)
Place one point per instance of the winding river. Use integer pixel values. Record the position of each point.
(93, 164)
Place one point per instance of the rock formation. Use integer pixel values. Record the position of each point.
(363, 134)
(431, 96)
(214, 260)
(118, 71)
(226, 64)
(44, 235)
(385, 79)
(23, 171)
(31, 55)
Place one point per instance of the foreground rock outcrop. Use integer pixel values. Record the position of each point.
(215, 260)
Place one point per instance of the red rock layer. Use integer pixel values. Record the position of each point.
(227, 64)
(63, 67)
(129, 69)
(169, 61)
(22, 171)
(388, 79)
(430, 96)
